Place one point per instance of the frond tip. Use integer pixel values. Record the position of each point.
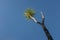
(29, 12)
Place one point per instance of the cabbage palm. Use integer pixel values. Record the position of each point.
(29, 13)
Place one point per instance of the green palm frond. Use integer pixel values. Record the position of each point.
(29, 12)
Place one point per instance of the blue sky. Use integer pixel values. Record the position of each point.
(14, 26)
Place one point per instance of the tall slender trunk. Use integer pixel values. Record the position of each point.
(43, 26)
(46, 31)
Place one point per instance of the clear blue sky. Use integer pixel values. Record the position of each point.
(14, 26)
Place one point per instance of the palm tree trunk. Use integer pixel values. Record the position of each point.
(44, 27)
(46, 31)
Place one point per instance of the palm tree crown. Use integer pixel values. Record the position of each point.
(29, 12)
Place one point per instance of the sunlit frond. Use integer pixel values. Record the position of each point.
(29, 12)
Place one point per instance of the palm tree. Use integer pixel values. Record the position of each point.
(29, 13)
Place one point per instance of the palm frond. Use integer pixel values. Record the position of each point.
(29, 12)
